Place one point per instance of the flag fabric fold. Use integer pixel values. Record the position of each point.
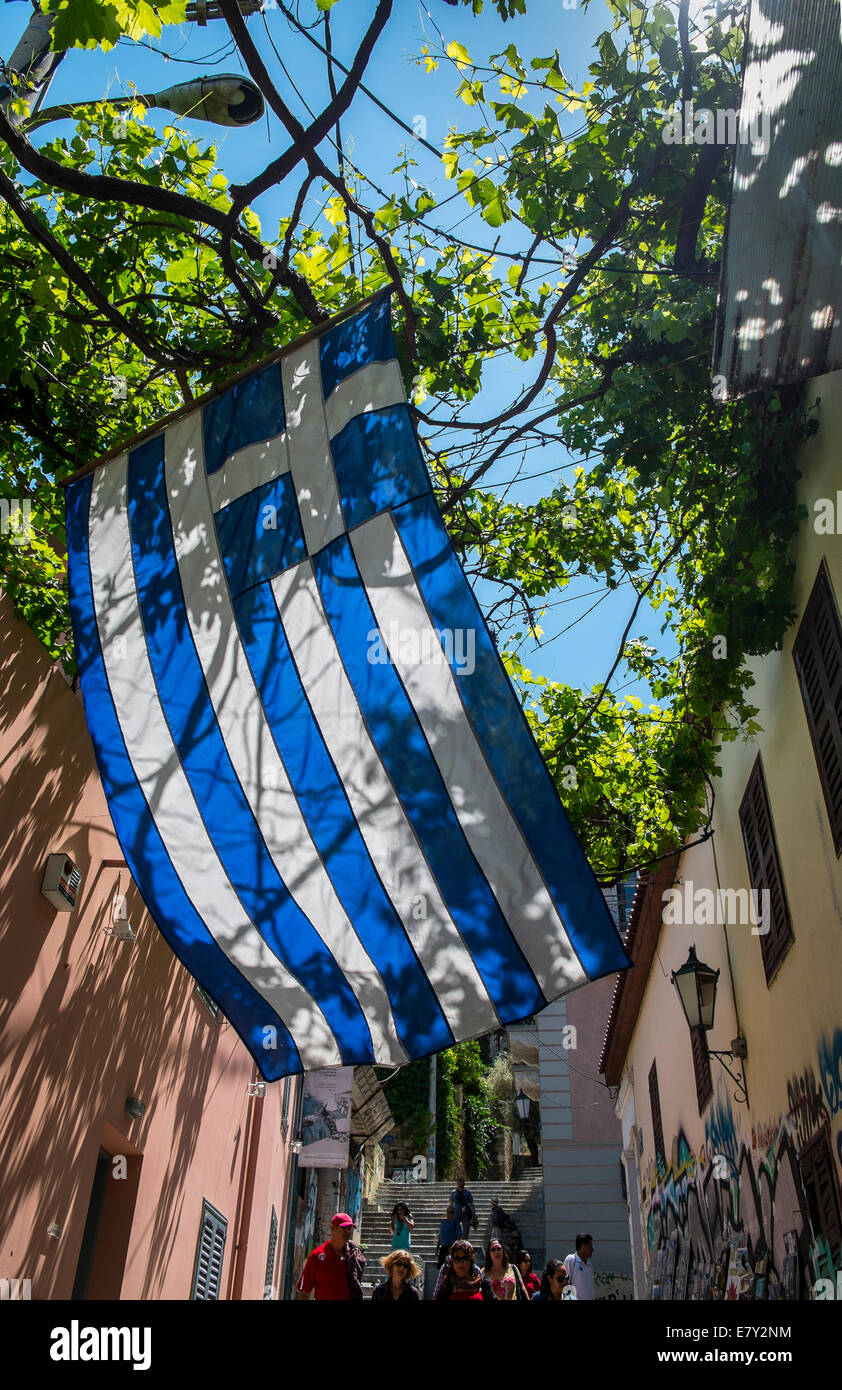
(320, 775)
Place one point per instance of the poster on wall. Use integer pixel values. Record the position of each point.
(326, 1118)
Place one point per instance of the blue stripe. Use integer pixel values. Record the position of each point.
(225, 810)
(359, 340)
(400, 742)
(250, 411)
(378, 463)
(504, 734)
(150, 865)
(260, 534)
(319, 792)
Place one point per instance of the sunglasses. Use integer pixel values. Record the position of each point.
(562, 1278)
(400, 1264)
(459, 1259)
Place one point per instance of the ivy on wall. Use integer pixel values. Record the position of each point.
(463, 1066)
(408, 1094)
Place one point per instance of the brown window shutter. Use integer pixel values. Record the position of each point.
(764, 869)
(818, 663)
(701, 1067)
(817, 1173)
(657, 1126)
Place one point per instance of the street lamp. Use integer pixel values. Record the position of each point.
(223, 98)
(695, 985)
(522, 1103)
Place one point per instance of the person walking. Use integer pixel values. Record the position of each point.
(460, 1279)
(506, 1282)
(401, 1224)
(333, 1271)
(449, 1230)
(463, 1203)
(554, 1283)
(499, 1220)
(400, 1269)
(531, 1280)
(578, 1269)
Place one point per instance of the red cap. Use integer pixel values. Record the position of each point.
(343, 1219)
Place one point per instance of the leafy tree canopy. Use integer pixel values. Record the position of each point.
(133, 275)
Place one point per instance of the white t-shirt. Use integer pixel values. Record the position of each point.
(580, 1276)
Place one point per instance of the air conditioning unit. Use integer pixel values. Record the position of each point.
(62, 882)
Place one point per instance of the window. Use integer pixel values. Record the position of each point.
(657, 1127)
(285, 1106)
(818, 662)
(273, 1245)
(817, 1172)
(764, 868)
(701, 1067)
(210, 1004)
(207, 1276)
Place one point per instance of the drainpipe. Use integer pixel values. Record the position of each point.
(431, 1151)
(251, 1149)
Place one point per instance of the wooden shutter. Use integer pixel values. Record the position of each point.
(207, 1276)
(701, 1067)
(273, 1245)
(818, 662)
(817, 1172)
(657, 1126)
(764, 868)
(285, 1106)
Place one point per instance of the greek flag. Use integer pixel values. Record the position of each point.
(319, 773)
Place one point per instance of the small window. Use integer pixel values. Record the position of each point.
(210, 1252)
(273, 1245)
(701, 1067)
(657, 1126)
(818, 662)
(210, 1004)
(764, 868)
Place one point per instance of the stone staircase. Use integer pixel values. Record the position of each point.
(522, 1199)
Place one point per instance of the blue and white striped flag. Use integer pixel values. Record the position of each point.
(319, 773)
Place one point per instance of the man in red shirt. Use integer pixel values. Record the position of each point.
(333, 1270)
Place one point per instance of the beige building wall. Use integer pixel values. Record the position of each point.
(793, 1025)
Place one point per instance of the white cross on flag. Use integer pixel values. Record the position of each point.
(319, 773)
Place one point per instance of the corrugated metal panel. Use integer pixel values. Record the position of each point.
(779, 316)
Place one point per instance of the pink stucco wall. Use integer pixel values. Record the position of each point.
(86, 1020)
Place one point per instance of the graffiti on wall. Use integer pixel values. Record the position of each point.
(750, 1184)
(614, 1288)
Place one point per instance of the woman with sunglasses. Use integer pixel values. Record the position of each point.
(505, 1277)
(460, 1279)
(531, 1280)
(400, 1268)
(553, 1283)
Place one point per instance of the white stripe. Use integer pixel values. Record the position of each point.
(382, 822)
(311, 463)
(249, 468)
(373, 387)
(248, 738)
(490, 828)
(158, 769)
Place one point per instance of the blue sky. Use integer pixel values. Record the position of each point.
(584, 654)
